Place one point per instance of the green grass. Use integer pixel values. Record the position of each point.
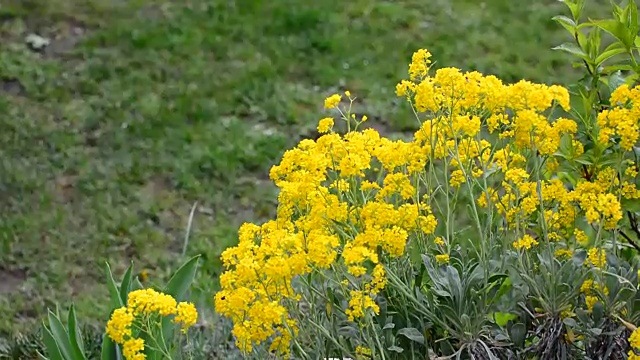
(136, 110)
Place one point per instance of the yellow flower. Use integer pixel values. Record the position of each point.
(348, 93)
(439, 241)
(359, 304)
(147, 301)
(404, 88)
(442, 259)
(419, 63)
(581, 237)
(143, 275)
(363, 352)
(634, 339)
(590, 301)
(325, 125)
(119, 325)
(332, 101)
(186, 314)
(526, 242)
(132, 348)
(379, 279)
(597, 257)
(457, 178)
(366, 185)
(589, 287)
(564, 253)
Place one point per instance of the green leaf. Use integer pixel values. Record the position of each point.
(125, 287)
(60, 335)
(617, 29)
(613, 68)
(53, 351)
(583, 160)
(632, 205)
(348, 331)
(503, 318)
(40, 356)
(412, 334)
(593, 43)
(518, 334)
(575, 6)
(566, 22)
(572, 48)
(182, 279)
(607, 54)
(177, 287)
(598, 311)
(396, 349)
(629, 18)
(570, 322)
(616, 80)
(75, 336)
(116, 300)
(108, 349)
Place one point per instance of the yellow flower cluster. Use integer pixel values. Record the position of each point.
(317, 219)
(622, 121)
(126, 322)
(592, 291)
(355, 201)
(525, 242)
(634, 342)
(596, 258)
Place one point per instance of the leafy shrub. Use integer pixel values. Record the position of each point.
(506, 228)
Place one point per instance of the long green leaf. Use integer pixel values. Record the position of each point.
(182, 279)
(576, 7)
(177, 287)
(125, 287)
(412, 334)
(604, 56)
(617, 30)
(53, 351)
(630, 19)
(108, 351)
(574, 49)
(60, 335)
(566, 22)
(75, 336)
(116, 300)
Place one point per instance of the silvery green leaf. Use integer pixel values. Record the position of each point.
(412, 334)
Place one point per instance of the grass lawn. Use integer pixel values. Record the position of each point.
(136, 110)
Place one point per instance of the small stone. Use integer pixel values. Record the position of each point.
(37, 42)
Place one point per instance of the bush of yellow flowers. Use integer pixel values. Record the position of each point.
(506, 228)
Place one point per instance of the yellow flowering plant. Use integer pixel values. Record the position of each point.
(144, 321)
(143, 324)
(506, 228)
